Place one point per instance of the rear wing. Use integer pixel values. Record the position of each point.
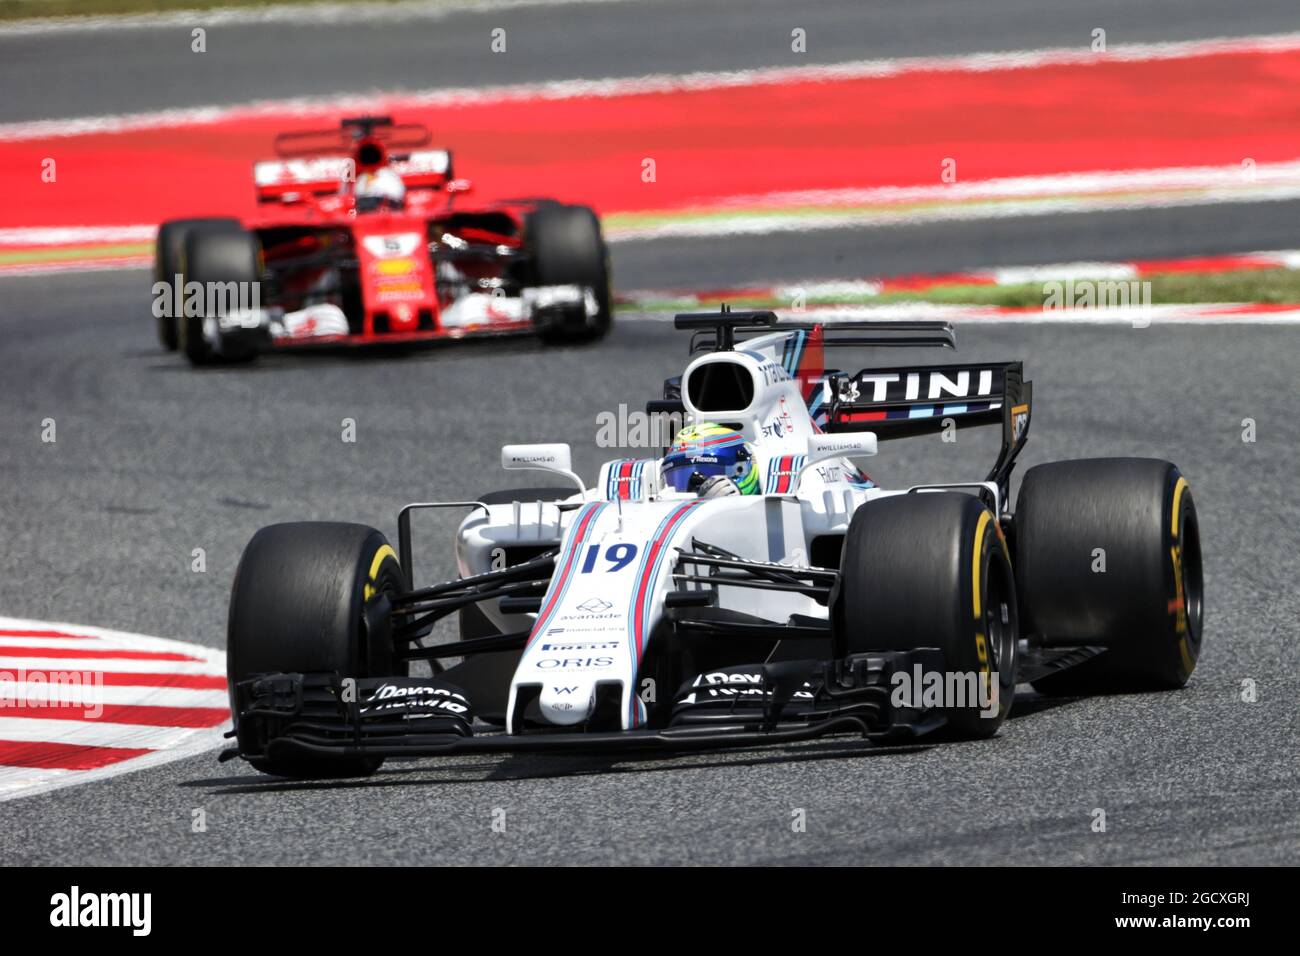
(902, 402)
(283, 180)
(913, 400)
(394, 137)
(892, 402)
(722, 330)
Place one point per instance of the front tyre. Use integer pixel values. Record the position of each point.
(931, 570)
(167, 255)
(566, 248)
(226, 264)
(298, 606)
(1108, 552)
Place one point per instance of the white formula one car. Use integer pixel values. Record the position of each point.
(751, 585)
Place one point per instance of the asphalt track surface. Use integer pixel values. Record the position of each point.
(68, 74)
(153, 460)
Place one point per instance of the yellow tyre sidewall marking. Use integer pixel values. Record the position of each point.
(981, 641)
(1180, 598)
(1179, 488)
(385, 551)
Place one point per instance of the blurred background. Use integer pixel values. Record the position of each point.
(933, 157)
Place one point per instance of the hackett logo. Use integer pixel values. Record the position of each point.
(76, 909)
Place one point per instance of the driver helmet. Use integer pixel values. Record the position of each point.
(379, 188)
(705, 452)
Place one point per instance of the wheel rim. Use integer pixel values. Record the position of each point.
(1189, 569)
(1000, 629)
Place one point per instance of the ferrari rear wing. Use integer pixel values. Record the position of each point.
(396, 137)
(278, 180)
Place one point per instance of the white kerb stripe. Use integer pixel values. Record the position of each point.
(92, 733)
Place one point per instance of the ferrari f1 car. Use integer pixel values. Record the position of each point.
(641, 614)
(363, 237)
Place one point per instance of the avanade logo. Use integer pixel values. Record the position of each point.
(74, 909)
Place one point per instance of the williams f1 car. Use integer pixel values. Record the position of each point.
(363, 237)
(647, 612)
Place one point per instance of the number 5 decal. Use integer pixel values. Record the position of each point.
(619, 556)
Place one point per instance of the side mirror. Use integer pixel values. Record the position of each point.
(824, 447)
(556, 458)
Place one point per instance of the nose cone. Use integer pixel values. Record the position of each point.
(567, 700)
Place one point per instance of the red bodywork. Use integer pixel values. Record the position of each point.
(435, 267)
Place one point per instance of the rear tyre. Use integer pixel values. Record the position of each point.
(566, 248)
(168, 248)
(1134, 518)
(217, 255)
(297, 606)
(931, 570)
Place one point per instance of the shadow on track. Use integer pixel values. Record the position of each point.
(544, 767)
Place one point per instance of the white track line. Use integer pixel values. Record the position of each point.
(316, 14)
(1134, 317)
(75, 235)
(24, 781)
(1006, 197)
(1265, 176)
(108, 665)
(756, 224)
(85, 641)
(652, 83)
(90, 693)
(91, 733)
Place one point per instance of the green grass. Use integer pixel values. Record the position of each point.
(1246, 285)
(22, 257)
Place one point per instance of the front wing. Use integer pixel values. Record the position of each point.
(747, 706)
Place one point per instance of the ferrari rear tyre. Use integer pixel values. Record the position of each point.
(931, 570)
(218, 258)
(168, 247)
(566, 248)
(297, 606)
(1108, 552)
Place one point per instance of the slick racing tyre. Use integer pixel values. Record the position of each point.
(297, 606)
(931, 570)
(566, 247)
(219, 258)
(168, 248)
(1108, 552)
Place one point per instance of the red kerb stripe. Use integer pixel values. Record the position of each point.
(139, 714)
(117, 654)
(18, 753)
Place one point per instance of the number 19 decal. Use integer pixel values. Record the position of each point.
(619, 556)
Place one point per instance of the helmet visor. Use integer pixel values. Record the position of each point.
(679, 469)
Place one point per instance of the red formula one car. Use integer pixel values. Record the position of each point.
(363, 238)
